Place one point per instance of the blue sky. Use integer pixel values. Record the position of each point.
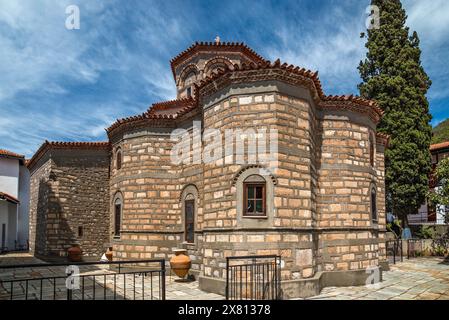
(69, 85)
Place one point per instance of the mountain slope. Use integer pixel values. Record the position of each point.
(441, 132)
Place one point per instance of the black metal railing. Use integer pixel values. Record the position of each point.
(415, 247)
(395, 250)
(113, 280)
(253, 278)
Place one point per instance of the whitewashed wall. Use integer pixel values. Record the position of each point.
(24, 207)
(9, 176)
(3, 219)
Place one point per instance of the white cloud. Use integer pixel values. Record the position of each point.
(70, 84)
(429, 18)
(36, 47)
(42, 61)
(332, 47)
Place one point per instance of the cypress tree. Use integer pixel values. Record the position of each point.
(392, 75)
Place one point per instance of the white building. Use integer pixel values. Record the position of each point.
(14, 201)
(429, 214)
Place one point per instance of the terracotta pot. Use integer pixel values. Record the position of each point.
(109, 254)
(75, 253)
(180, 263)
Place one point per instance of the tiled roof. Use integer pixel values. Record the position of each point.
(439, 146)
(9, 154)
(8, 197)
(173, 107)
(298, 71)
(220, 46)
(47, 145)
(170, 110)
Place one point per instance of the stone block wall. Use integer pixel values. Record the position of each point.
(70, 203)
(226, 232)
(349, 237)
(146, 181)
(154, 190)
(318, 194)
(319, 217)
(39, 203)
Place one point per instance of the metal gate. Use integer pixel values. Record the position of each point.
(253, 278)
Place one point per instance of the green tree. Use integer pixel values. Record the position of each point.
(393, 76)
(440, 195)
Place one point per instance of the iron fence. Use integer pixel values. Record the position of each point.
(414, 247)
(395, 250)
(253, 278)
(113, 280)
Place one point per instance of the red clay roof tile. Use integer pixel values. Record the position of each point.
(9, 154)
(8, 197)
(47, 145)
(439, 146)
(220, 46)
(173, 109)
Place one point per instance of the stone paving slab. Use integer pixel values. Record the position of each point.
(415, 279)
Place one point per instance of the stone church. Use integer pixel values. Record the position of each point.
(322, 207)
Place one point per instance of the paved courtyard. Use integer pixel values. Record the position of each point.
(420, 279)
(415, 279)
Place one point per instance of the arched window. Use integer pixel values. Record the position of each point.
(190, 78)
(371, 150)
(254, 196)
(373, 204)
(189, 209)
(189, 219)
(118, 159)
(117, 216)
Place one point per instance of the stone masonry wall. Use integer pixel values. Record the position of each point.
(73, 192)
(349, 239)
(320, 217)
(149, 186)
(381, 201)
(153, 189)
(39, 197)
(226, 232)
